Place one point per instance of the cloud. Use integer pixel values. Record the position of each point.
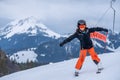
(59, 14)
(45, 8)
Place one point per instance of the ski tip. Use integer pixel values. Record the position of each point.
(76, 74)
(98, 72)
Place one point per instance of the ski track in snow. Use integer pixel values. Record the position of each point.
(65, 70)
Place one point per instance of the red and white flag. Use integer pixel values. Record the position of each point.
(98, 36)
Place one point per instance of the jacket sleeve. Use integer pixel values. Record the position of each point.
(71, 37)
(97, 29)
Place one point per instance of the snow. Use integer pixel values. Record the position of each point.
(24, 56)
(108, 41)
(111, 49)
(97, 44)
(118, 49)
(65, 70)
(68, 49)
(43, 55)
(27, 25)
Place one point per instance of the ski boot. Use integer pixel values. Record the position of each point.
(76, 73)
(100, 68)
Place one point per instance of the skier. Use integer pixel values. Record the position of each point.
(83, 35)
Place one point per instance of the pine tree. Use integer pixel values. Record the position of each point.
(7, 66)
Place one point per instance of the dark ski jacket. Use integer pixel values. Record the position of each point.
(83, 37)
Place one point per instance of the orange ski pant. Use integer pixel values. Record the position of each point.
(82, 56)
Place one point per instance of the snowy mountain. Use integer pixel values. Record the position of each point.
(65, 70)
(51, 51)
(30, 26)
(24, 34)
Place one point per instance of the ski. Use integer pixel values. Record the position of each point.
(76, 74)
(99, 70)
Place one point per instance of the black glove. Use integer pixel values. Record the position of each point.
(106, 30)
(61, 44)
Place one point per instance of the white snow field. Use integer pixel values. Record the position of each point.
(65, 70)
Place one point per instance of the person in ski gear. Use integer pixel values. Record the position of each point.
(83, 35)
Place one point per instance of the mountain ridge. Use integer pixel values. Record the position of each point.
(46, 42)
(28, 25)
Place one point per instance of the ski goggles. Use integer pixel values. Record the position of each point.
(82, 26)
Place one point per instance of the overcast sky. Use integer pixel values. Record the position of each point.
(61, 15)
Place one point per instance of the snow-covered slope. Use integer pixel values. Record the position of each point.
(65, 70)
(24, 56)
(28, 25)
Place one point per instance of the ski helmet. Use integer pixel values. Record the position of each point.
(81, 22)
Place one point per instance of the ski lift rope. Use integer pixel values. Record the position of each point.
(102, 16)
(100, 20)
